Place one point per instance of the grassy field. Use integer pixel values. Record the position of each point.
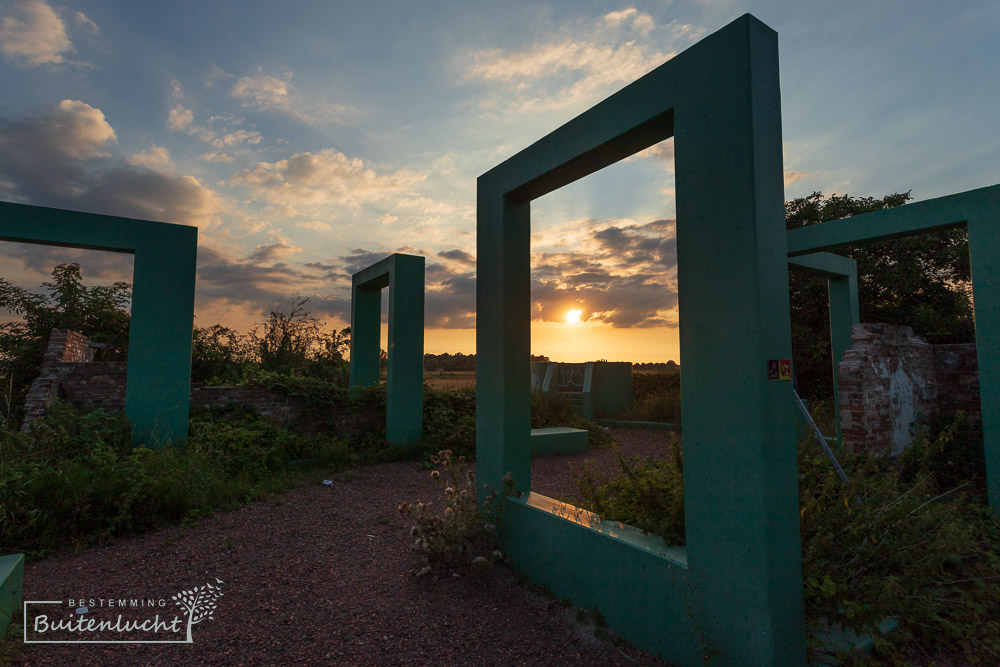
(450, 380)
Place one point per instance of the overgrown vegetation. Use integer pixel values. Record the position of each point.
(99, 312)
(548, 410)
(450, 421)
(461, 536)
(650, 492)
(656, 397)
(913, 539)
(76, 479)
(289, 341)
(919, 281)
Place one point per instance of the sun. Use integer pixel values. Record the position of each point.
(573, 316)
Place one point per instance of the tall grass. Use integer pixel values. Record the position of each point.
(657, 397)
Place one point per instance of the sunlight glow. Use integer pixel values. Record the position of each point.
(573, 316)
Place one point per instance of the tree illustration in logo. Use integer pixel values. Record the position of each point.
(199, 603)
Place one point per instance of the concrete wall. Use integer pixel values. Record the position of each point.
(892, 382)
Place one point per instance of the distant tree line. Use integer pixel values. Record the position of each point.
(658, 367)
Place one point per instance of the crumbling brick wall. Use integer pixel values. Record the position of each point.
(70, 373)
(892, 382)
(67, 365)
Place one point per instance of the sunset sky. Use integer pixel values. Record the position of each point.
(308, 139)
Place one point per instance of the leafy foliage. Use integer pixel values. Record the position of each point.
(289, 342)
(898, 542)
(548, 410)
(919, 281)
(650, 492)
(913, 539)
(657, 397)
(219, 355)
(75, 479)
(99, 312)
(450, 421)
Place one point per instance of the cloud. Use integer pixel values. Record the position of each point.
(216, 156)
(573, 69)
(240, 136)
(39, 260)
(360, 259)
(459, 256)
(315, 225)
(326, 177)
(226, 279)
(265, 92)
(157, 158)
(59, 157)
(180, 119)
(150, 195)
(621, 275)
(34, 34)
(279, 249)
(640, 22)
(792, 176)
(53, 147)
(661, 151)
(618, 275)
(86, 24)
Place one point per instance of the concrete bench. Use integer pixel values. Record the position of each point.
(558, 440)
(11, 578)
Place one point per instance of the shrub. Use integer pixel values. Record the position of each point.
(912, 539)
(650, 492)
(462, 536)
(656, 397)
(552, 409)
(76, 479)
(450, 421)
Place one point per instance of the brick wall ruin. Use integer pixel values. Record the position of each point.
(70, 373)
(892, 382)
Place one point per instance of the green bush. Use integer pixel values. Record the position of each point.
(552, 409)
(450, 421)
(650, 492)
(913, 539)
(656, 397)
(76, 479)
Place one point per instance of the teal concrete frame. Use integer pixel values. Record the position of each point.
(841, 275)
(158, 380)
(11, 585)
(404, 387)
(979, 212)
(736, 589)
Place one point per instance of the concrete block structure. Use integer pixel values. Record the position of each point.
(11, 584)
(159, 361)
(735, 589)
(404, 400)
(597, 389)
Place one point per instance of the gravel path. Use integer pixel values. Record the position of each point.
(324, 575)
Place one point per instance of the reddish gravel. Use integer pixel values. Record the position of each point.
(324, 575)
